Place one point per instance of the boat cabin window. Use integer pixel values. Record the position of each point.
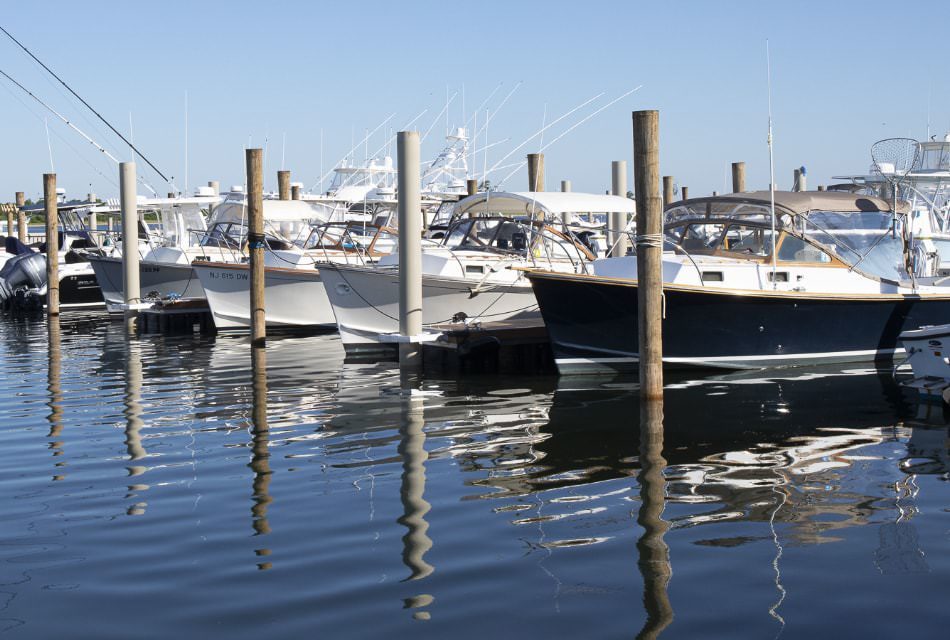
(490, 233)
(747, 240)
(864, 239)
(793, 249)
(224, 234)
(701, 236)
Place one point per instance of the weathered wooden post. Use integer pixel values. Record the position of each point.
(10, 209)
(667, 190)
(797, 180)
(295, 192)
(738, 177)
(646, 170)
(254, 159)
(618, 219)
(684, 193)
(652, 551)
(216, 186)
(52, 244)
(54, 385)
(565, 186)
(471, 186)
(283, 185)
(801, 180)
(410, 250)
(535, 172)
(130, 241)
(22, 224)
(821, 187)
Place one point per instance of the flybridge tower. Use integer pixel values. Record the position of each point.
(448, 172)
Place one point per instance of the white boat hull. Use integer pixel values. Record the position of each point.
(366, 303)
(292, 297)
(156, 280)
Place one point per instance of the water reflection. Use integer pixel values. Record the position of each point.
(132, 400)
(654, 554)
(260, 453)
(54, 386)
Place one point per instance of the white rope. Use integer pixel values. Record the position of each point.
(650, 240)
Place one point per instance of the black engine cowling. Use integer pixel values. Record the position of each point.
(23, 271)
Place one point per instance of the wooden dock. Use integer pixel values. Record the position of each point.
(188, 315)
(503, 347)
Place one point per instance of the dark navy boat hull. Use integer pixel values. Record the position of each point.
(592, 324)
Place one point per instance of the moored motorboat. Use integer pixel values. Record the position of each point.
(474, 274)
(836, 289)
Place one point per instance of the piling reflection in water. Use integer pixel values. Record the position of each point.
(412, 452)
(654, 554)
(260, 449)
(132, 400)
(54, 386)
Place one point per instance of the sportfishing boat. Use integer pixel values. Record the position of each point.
(23, 276)
(474, 273)
(294, 293)
(183, 236)
(823, 280)
(928, 356)
(923, 181)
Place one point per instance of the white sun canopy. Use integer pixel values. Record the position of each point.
(274, 211)
(548, 203)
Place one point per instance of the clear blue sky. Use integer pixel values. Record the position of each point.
(844, 74)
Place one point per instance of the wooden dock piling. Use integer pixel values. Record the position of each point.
(667, 190)
(471, 186)
(684, 193)
(283, 185)
(11, 215)
(738, 177)
(646, 173)
(52, 244)
(256, 242)
(535, 172)
(22, 224)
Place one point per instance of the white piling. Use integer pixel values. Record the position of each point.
(130, 240)
(618, 219)
(410, 249)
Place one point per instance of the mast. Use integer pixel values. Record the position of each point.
(768, 74)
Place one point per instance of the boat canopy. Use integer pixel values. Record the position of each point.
(274, 211)
(547, 203)
(791, 203)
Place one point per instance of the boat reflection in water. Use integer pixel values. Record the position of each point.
(779, 449)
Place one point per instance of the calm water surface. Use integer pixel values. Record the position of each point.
(155, 486)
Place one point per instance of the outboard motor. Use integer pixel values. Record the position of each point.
(14, 247)
(26, 271)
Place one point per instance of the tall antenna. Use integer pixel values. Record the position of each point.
(49, 144)
(186, 141)
(768, 76)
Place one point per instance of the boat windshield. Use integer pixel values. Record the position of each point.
(488, 234)
(863, 239)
